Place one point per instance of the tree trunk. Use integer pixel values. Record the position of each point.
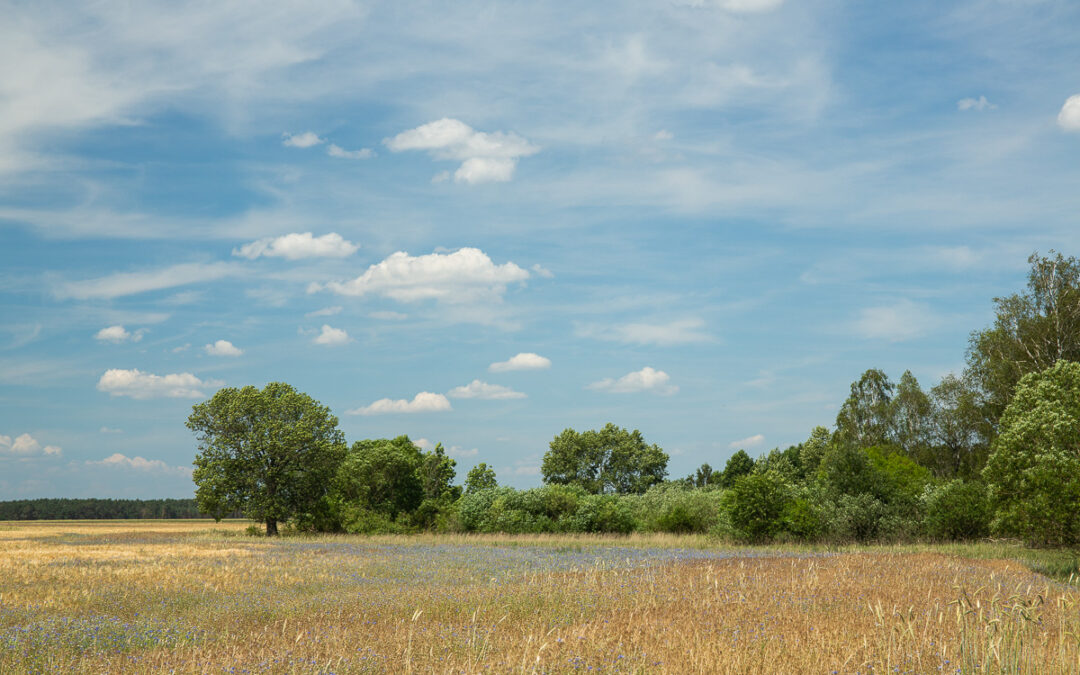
(271, 527)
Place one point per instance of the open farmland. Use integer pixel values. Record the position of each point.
(99, 597)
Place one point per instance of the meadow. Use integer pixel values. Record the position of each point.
(186, 597)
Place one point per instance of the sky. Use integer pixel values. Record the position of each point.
(481, 223)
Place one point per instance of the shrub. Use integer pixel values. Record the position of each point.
(957, 510)
(758, 503)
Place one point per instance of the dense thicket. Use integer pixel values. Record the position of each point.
(995, 449)
(88, 509)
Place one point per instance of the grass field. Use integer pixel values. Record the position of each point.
(168, 596)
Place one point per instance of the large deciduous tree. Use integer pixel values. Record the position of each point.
(610, 460)
(866, 418)
(1033, 471)
(268, 453)
(1031, 332)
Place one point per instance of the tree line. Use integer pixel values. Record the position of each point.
(97, 509)
(994, 449)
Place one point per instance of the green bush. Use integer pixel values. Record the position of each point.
(957, 510)
(603, 513)
(757, 506)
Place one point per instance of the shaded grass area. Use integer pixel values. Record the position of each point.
(202, 597)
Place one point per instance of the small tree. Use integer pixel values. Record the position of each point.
(480, 477)
(758, 504)
(738, 465)
(1033, 471)
(269, 453)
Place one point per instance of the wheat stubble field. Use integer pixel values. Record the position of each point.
(118, 597)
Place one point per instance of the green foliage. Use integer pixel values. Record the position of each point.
(786, 463)
(961, 429)
(611, 460)
(813, 450)
(381, 476)
(1031, 331)
(673, 507)
(603, 514)
(268, 453)
(738, 465)
(866, 418)
(957, 510)
(758, 504)
(862, 518)
(1033, 471)
(481, 477)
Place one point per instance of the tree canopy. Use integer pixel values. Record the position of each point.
(269, 453)
(610, 460)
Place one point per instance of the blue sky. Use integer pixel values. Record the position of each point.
(480, 223)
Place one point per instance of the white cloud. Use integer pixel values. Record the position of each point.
(748, 442)
(130, 283)
(646, 379)
(137, 463)
(298, 245)
(483, 390)
(680, 332)
(386, 315)
(331, 336)
(26, 446)
(542, 271)
(484, 157)
(182, 348)
(140, 385)
(340, 152)
(307, 139)
(979, 104)
(424, 444)
(663, 135)
(1069, 117)
(223, 348)
(118, 334)
(325, 311)
(902, 321)
(423, 402)
(456, 451)
(110, 430)
(522, 361)
(462, 276)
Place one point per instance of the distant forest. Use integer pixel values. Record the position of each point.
(84, 509)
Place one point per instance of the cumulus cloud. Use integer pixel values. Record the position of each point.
(298, 245)
(978, 104)
(331, 336)
(483, 390)
(137, 463)
(522, 361)
(748, 442)
(340, 152)
(130, 283)
(140, 385)
(542, 271)
(307, 139)
(118, 334)
(484, 157)
(679, 332)
(1069, 117)
(646, 379)
(26, 446)
(424, 444)
(898, 322)
(223, 348)
(462, 276)
(423, 402)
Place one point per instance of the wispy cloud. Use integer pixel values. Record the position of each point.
(898, 322)
(977, 104)
(483, 390)
(131, 283)
(118, 334)
(306, 139)
(748, 442)
(137, 463)
(679, 332)
(342, 153)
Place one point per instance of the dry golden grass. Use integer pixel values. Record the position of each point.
(104, 597)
